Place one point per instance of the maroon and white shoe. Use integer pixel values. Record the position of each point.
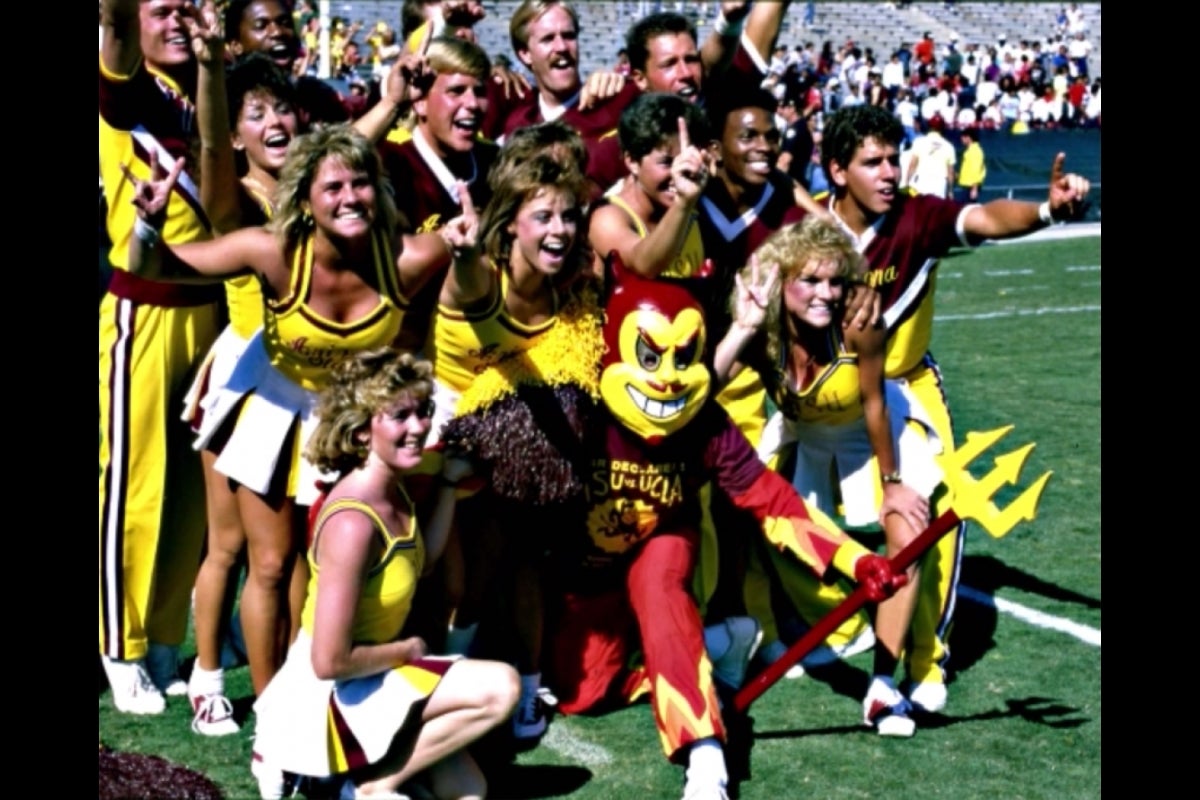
(213, 715)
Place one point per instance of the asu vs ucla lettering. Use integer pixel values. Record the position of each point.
(662, 483)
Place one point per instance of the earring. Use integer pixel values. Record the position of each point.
(306, 219)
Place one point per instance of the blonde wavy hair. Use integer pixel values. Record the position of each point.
(794, 248)
(363, 385)
(293, 220)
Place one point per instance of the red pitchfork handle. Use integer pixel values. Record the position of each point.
(829, 623)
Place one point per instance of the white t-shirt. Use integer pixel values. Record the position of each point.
(934, 158)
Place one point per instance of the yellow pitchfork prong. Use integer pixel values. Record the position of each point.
(973, 497)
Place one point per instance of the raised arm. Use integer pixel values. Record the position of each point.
(763, 26)
(121, 46)
(651, 255)
(401, 88)
(898, 498)
(248, 250)
(468, 279)
(720, 45)
(218, 169)
(347, 546)
(753, 295)
(1002, 219)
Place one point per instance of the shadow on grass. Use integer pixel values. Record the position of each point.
(518, 782)
(975, 624)
(987, 573)
(1043, 711)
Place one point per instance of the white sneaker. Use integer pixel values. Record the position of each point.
(929, 697)
(772, 652)
(213, 715)
(886, 710)
(744, 635)
(132, 690)
(162, 663)
(859, 644)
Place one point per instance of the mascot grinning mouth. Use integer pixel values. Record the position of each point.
(657, 409)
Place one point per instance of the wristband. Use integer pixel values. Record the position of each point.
(891, 477)
(726, 29)
(1044, 213)
(146, 233)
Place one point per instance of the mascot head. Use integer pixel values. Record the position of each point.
(654, 378)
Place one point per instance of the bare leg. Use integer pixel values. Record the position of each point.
(272, 545)
(894, 615)
(473, 698)
(213, 587)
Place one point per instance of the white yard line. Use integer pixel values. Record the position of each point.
(1076, 230)
(1083, 268)
(567, 743)
(1020, 312)
(1084, 633)
(996, 273)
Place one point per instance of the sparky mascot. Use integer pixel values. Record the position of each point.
(621, 575)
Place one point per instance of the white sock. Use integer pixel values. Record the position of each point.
(706, 763)
(716, 641)
(206, 681)
(458, 640)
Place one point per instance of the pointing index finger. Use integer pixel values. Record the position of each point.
(465, 200)
(426, 38)
(684, 141)
(1056, 171)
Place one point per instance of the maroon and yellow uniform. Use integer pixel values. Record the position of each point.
(151, 334)
(901, 250)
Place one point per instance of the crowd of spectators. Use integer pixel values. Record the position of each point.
(1013, 86)
(997, 84)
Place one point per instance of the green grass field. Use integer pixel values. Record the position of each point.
(1018, 337)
